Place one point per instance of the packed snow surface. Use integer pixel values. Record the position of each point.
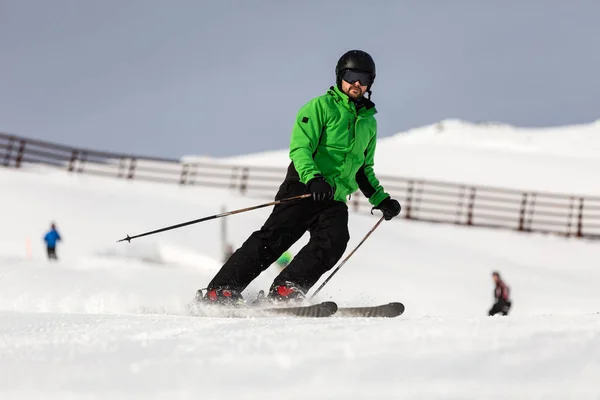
(109, 319)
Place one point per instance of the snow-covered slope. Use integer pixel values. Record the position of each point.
(109, 319)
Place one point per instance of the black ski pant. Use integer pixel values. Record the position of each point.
(327, 222)
(51, 253)
(501, 306)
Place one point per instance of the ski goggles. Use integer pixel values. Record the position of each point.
(351, 76)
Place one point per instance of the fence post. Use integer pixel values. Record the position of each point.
(131, 168)
(409, 197)
(19, 158)
(244, 180)
(184, 173)
(8, 151)
(570, 216)
(580, 219)
(530, 211)
(471, 206)
(72, 160)
(522, 212)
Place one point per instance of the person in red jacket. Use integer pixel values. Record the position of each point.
(502, 302)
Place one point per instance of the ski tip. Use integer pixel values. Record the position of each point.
(326, 309)
(397, 307)
(329, 305)
(389, 310)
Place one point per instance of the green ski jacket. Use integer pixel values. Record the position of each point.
(332, 138)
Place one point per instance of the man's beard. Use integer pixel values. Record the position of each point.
(355, 93)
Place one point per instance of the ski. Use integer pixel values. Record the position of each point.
(390, 310)
(262, 308)
(319, 310)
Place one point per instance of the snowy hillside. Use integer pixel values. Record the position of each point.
(544, 159)
(109, 319)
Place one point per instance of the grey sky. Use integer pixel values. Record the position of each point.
(223, 77)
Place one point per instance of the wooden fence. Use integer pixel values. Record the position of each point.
(422, 200)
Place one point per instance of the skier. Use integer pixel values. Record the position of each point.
(501, 295)
(332, 152)
(51, 238)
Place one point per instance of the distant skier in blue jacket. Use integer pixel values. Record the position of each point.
(51, 238)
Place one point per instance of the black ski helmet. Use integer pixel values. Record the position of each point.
(354, 59)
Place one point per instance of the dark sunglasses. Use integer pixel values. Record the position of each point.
(351, 76)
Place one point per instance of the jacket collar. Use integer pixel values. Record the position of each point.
(365, 106)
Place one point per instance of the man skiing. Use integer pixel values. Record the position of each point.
(502, 302)
(332, 152)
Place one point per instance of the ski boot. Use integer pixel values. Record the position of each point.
(288, 292)
(222, 297)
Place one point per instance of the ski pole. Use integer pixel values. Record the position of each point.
(273, 203)
(348, 257)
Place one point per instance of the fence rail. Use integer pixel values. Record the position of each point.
(422, 200)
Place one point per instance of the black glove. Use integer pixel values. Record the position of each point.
(320, 189)
(389, 207)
